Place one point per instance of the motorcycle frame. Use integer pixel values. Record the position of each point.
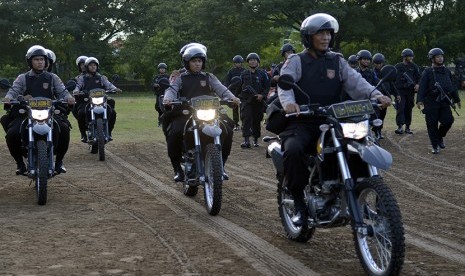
(94, 115)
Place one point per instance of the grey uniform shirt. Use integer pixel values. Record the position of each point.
(103, 80)
(353, 83)
(19, 86)
(215, 85)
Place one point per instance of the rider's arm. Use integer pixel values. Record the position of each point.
(108, 85)
(79, 83)
(220, 90)
(18, 87)
(354, 84)
(59, 88)
(171, 93)
(292, 67)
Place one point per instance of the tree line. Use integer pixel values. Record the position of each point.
(130, 37)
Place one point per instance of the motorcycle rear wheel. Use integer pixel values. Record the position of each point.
(100, 140)
(295, 233)
(213, 188)
(41, 172)
(382, 250)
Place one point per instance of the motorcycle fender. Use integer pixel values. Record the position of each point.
(211, 130)
(41, 129)
(99, 109)
(374, 155)
(274, 151)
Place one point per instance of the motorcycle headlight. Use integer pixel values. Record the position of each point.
(40, 114)
(355, 130)
(97, 100)
(206, 114)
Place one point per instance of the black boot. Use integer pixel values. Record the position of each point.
(246, 143)
(21, 168)
(255, 142)
(300, 216)
(178, 174)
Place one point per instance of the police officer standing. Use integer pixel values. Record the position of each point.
(364, 61)
(159, 92)
(408, 76)
(285, 51)
(353, 62)
(37, 82)
(90, 80)
(255, 86)
(192, 83)
(235, 72)
(387, 88)
(323, 75)
(436, 89)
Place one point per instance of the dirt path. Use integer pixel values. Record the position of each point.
(125, 216)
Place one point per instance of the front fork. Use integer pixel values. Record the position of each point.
(198, 150)
(93, 123)
(348, 183)
(32, 150)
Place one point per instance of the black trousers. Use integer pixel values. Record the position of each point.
(17, 138)
(235, 112)
(405, 107)
(439, 120)
(251, 116)
(175, 139)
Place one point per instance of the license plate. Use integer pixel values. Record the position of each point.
(205, 102)
(40, 103)
(352, 109)
(97, 93)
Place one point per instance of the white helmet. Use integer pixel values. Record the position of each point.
(81, 59)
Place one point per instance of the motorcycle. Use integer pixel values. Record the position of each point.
(345, 185)
(202, 161)
(39, 122)
(97, 115)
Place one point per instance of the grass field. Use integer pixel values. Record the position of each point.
(137, 119)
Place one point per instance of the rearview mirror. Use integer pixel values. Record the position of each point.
(114, 78)
(389, 73)
(235, 82)
(70, 85)
(164, 83)
(286, 82)
(5, 84)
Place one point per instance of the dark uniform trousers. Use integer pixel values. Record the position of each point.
(435, 114)
(405, 107)
(251, 116)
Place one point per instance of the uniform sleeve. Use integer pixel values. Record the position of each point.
(266, 84)
(220, 90)
(171, 93)
(454, 92)
(108, 85)
(423, 88)
(79, 83)
(354, 84)
(59, 88)
(18, 87)
(291, 67)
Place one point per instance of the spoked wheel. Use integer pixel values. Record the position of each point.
(41, 172)
(381, 250)
(213, 179)
(286, 212)
(100, 140)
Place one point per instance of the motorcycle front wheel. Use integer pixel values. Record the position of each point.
(41, 172)
(213, 179)
(381, 250)
(286, 212)
(100, 140)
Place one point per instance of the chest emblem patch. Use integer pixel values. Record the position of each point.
(203, 83)
(330, 73)
(45, 85)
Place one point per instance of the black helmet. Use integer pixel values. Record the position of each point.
(253, 56)
(34, 51)
(162, 65)
(364, 54)
(352, 59)
(378, 58)
(407, 53)
(435, 52)
(238, 59)
(194, 52)
(286, 47)
(315, 23)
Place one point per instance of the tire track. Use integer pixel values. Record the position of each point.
(181, 258)
(261, 255)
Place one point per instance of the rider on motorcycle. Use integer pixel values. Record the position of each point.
(37, 82)
(194, 82)
(90, 80)
(323, 75)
